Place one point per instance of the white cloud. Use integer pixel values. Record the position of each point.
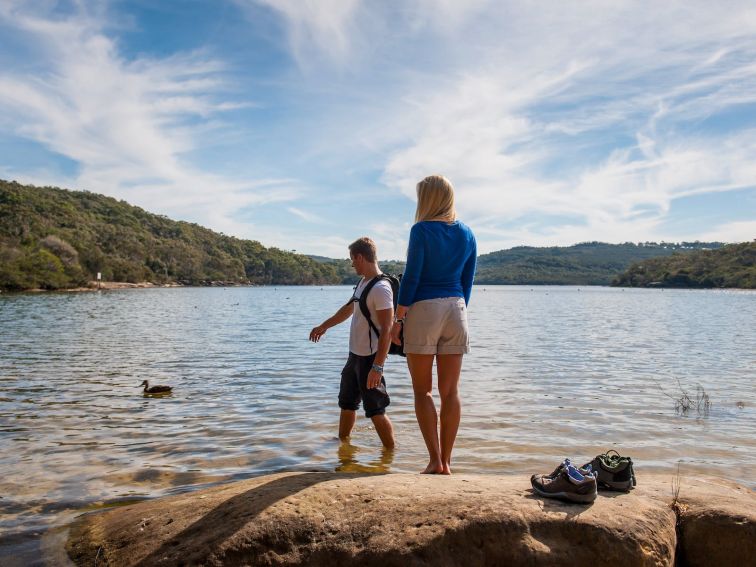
(316, 27)
(558, 123)
(500, 97)
(304, 215)
(739, 231)
(128, 124)
(640, 74)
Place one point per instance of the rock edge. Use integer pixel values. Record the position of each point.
(415, 520)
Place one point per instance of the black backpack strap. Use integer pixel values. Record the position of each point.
(354, 294)
(364, 308)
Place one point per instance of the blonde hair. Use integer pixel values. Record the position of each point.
(435, 200)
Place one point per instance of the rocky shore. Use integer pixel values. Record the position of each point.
(94, 286)
(412, 520)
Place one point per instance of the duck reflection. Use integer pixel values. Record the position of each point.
(348, 460)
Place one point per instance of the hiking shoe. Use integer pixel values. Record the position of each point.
(569, 484)
(613, 471)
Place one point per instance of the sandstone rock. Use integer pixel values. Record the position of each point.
(717, 527)
(405, 520)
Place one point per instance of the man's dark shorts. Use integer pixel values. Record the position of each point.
(354, 387)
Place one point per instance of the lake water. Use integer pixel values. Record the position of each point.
(554, 372)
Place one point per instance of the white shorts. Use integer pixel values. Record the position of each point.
(437, 326)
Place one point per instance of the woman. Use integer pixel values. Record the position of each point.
(432, 310)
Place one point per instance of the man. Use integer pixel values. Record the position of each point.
(362, 376)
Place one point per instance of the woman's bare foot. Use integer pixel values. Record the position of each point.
(446, 469)
(434, 467)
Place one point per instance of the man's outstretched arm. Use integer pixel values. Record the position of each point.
(339, 317)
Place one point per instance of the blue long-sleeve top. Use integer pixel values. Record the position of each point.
(441, 262)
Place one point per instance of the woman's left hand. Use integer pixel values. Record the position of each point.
(396, 331)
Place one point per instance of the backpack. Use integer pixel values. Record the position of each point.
(613, 471)
(394, 281)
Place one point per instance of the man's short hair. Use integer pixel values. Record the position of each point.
(365, 247)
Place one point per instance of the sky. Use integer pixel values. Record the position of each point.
(305, 124)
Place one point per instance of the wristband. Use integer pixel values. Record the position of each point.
(378, 368)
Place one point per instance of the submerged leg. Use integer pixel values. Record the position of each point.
(346, 423)
(385, 430)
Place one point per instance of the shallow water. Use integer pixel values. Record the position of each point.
(554, 372)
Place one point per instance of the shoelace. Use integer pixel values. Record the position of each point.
(575, 474)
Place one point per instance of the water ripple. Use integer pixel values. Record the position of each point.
(554, 372)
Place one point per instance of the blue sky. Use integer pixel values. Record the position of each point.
(306, 123)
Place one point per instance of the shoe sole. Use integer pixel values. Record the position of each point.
(569, 496)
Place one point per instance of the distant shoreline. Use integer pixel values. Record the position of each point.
(103, 286)
(114, 286)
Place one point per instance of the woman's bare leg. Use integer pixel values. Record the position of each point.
(421, 370)
(449, 367)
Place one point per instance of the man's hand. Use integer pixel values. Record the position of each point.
(373, 379)
(396, 331)
(317, 333)
(344, 313)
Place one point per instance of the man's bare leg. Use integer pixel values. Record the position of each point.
(421, 370)
(346, 423)
(385, 430)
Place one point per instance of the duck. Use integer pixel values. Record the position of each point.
(155, 389)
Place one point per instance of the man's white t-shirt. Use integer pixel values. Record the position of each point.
(360, 334)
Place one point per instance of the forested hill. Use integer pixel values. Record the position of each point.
(588, 263)
(53, 238)
(730, 266)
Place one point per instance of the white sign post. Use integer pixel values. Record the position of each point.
(99, 279)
